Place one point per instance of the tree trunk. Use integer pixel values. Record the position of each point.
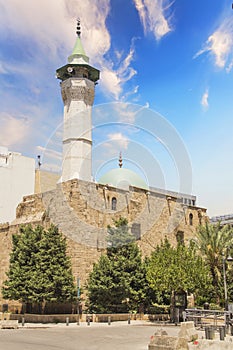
(43, 304)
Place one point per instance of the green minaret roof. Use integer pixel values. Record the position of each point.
(77, 65)
(78, 54)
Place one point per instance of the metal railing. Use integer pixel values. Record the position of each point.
(204, 317)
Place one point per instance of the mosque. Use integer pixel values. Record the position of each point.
(83, 208)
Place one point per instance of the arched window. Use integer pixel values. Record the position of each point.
(191, 219)
(114, 203)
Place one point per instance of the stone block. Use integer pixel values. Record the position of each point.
(4, 316)
(204, 344)
(7, 324)
(188, 331)
(164, 342)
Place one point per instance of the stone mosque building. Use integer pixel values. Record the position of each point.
(81, 208)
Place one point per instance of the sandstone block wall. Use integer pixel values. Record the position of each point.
(83, 210)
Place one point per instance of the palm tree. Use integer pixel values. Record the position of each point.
(213, 241)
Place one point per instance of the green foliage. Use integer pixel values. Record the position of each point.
(176, 269)
(158, 309)
(212, 242)
(40, 270)
(229, 278)
(117, 282)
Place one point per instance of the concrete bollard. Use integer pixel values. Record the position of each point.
(207, 332)
(211, 333)
(67, 321)
(88, 320)
(78, 321)
(109, 320)
(129, 319)
(23, 321)
(222, 332)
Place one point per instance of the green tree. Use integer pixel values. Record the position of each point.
(117, 282)
(212, 242)
(40, 270)
(177, 268)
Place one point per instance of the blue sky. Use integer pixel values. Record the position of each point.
(164, 98)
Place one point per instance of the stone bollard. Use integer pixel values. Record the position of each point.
(23, 321)
(129, 319)
(109, 320)
(67, 321)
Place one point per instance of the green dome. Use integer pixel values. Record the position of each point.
(122, 178)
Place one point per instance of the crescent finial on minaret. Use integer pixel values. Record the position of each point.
(78, 32)
(120, 160)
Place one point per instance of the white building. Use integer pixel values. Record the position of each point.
(17, 179)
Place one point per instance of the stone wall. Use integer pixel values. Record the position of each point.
(83, 210)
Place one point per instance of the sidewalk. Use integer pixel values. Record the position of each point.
(95, 324)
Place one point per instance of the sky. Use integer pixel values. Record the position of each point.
(164, 98)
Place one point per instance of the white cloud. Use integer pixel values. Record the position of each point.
(2, 68)
(153, 18)
(118, 139)
(13, 130)
(115, 78)
(51, 34)
(34, 19)
(50, 25)
(111, 82)
(220, 45)
(127, 112)
(204, 99)
(115, 143)
(49, 153)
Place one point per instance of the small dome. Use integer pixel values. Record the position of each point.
(122, 178)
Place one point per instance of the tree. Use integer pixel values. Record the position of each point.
(212, 242)
(117, 282)
(176, 269)
(40, 270)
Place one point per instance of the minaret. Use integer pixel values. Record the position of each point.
(78, 81)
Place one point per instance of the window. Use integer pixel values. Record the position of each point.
(114, 203)
(191, 219)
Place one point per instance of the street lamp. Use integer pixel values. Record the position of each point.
(228, 259)
(78, 299)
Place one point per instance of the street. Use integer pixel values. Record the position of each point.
(116, 336)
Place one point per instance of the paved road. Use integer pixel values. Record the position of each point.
(94, 337)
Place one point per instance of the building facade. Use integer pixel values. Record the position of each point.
(17, 179)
